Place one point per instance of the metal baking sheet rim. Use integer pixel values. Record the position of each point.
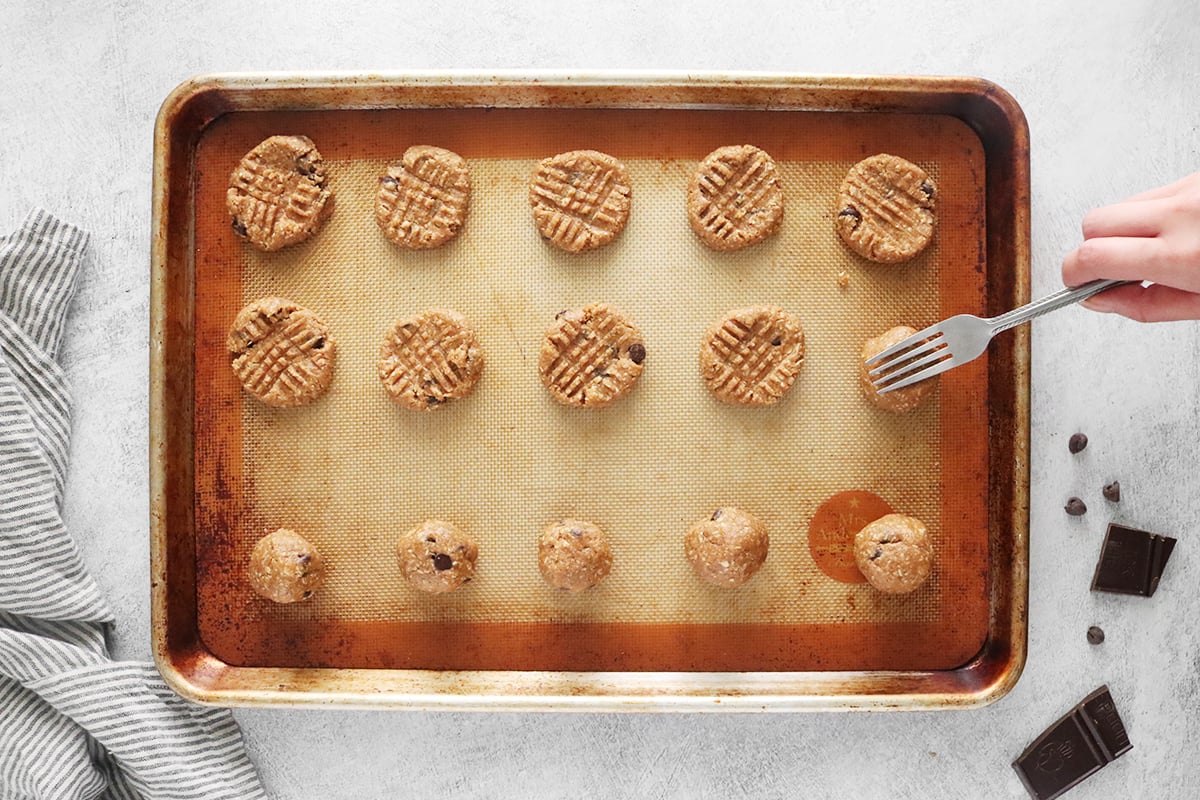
(197, 675)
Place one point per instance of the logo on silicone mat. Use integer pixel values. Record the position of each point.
(832, 529)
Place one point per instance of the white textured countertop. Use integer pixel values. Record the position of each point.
(1109, 89)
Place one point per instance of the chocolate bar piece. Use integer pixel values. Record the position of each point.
(1074, 747)
(1131, 561)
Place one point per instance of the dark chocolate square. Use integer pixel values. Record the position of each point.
(1131, 561)
(1074, 747)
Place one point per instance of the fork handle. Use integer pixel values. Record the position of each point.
(1051, 302)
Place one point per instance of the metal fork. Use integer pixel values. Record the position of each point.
(960, 339)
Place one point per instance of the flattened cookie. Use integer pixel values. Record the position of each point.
(574, 555)
(423, 200)
(580, 199)
(727, 548)
(752, 356)
(899, 400)
(894, 554)
(437, 557)
(285, 567)
(885, 209)
(282, 353)
(277, 194)
(591, 356)
(734, 199)
(430, 359)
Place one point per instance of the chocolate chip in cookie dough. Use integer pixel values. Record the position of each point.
(442, 562)
(1077, 442)
(1112, 492)
(1075, 507)
(637, 353)
(851, 212)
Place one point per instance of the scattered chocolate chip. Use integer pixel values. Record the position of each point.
(878, 552)
(432, 539)
(1095, 634)
(1075, 507)
(319, 343)
(442, 562)
(388, 181)
(1077, 442)
(303, 558)
(778, 340)
(637, 352)
(717, 513)
(853, 213)
(431, 400)
(1112, 492)
(239, 227)
(927, 188)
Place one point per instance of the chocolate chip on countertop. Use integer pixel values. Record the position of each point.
(1095, 635)
(1077, 442)
(637, 352)
(442, 562)
(1075, 507)
(1112, 492)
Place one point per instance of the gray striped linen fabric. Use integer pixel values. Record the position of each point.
(74, 723)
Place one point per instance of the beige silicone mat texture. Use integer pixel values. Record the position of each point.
(354, 470)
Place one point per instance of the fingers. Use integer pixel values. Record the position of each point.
(1162, 191)
(1155, 303)
(1119, 257)
(1126, 219)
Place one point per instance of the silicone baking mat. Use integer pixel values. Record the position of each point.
(354, 470)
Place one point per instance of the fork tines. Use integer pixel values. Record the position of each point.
(898, 365)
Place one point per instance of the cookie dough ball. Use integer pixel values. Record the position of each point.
(430, 359)
(591, 356)
(885, 209)
(437, 557)
(580, 199)
(423, 200)
(752, 356)
(894, 554)
(897, 401)
(734, 199)
(285, 567)
(282, 353)
(574, 555)
(727, 548)
(277, 194)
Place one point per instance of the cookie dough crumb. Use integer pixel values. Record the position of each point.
(728, 547)
(437, 557)
(285, 567)
(894, 553)
(843, 279)
(574, 555)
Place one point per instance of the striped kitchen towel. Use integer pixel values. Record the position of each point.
(74, 723)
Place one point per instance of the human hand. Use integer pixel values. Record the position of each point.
(1153, 236)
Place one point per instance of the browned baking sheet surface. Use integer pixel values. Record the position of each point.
(353, 471)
